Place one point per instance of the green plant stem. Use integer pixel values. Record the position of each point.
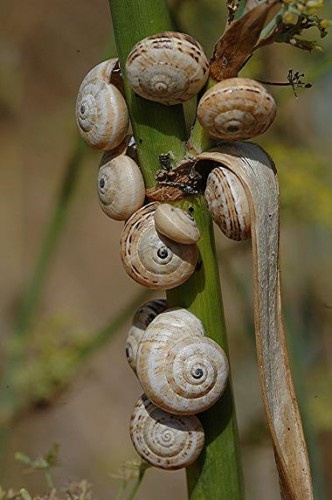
(159, 129)
(137, 484)
(217, 472)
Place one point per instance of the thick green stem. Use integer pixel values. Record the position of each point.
(159, 129)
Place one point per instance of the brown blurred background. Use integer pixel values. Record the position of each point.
(45, 51)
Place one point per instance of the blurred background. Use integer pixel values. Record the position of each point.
(66, 376)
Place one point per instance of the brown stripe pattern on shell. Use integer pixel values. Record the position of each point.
(166, 441)
(228, 203)
(150, 258)
(168, 68)
(236, 109)
(180, 370)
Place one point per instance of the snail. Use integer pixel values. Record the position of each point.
(121, 187)
(143, 317)
(163, 440)
(151, 259)
(176, 224)
(236, 109)
(228, 203)
(101, 111)
(179, 369)
(168, 68)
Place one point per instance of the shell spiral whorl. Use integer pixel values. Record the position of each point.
(168, 68)
(101, 111)
(165, 441)
(151, 259)
(121, 187)
(236, 109)
(180, 370)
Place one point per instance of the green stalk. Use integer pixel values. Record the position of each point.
(159, 129)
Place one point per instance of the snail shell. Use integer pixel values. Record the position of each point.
(101, 113)
(179, 369)
(228, 203)
(151, 259)
(168, 68)
(163, 440)
(120, 187)
(143, 317)
(176, 224)
(108, 71)
(236, 109)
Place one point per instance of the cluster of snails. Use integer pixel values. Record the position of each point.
(181, 371)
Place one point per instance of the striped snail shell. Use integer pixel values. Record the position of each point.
(121, 187)
(236, 109)
(176, 224)
(165, 441)
(228, 203)
(143, 317)
(151, 259)
(168, 68)
(179, 369)
(101, 111)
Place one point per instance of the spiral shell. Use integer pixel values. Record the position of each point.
(228, 203)
(168, 68)
(180, 370)
(236, 109)
(143, 317)
(153, 260)
(101, 112)
(176, 224)
(121, 187)
(166, 441)
(107, 71)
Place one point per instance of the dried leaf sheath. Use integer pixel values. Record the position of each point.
(258, 176)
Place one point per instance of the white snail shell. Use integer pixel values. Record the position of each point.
(228, 203)
(143, 317)
(104, 71)
(101, 111)
(168, 68)
(153, 260)
(176, 224)
(179, 369)
(121, 187)
(166, 441)
(236, 109)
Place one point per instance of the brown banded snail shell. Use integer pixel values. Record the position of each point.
(176, 224)
(121, 187)
(228, 203)
(166, 441)
(101, 111)
(168, 68)
(143, 317)
(179, 369)
(150, 258)
(236, 109)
